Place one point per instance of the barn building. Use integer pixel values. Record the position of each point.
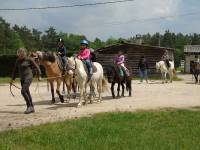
(190, 51)
(132, 53)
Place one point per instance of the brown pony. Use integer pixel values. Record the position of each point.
(114, 77)
(50, 62)
(195, 70)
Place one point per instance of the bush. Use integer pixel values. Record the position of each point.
(7, 63)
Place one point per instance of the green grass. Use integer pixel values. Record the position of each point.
(153, 130)
(5, 79)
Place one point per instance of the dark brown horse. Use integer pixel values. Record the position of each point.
(195, 70)
(114, 77)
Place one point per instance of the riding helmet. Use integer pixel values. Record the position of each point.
(84, 42)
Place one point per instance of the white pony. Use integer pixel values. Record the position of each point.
(97, 79)
(164, 70)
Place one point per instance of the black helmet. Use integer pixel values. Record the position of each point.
(60, 40)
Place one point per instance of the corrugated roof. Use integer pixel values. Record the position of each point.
(192, 48)
(133, 44)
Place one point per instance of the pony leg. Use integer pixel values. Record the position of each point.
(63, 91)
(196, 78)
(100, 90)
(118, 89)
(130, 88)
(122, 89)
(81, 87)
(112, 89)
(58, 91)
(52, 92)
(74, 87)
(92, 91)
(163, 78)
(171, 76)
(68, 85)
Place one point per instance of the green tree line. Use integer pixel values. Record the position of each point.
(13, 37)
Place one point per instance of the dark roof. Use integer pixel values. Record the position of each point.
(134, 45)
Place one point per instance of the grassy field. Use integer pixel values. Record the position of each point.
(4, 80)
(153, 130)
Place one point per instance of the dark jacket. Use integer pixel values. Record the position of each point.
(24, 68)
(143, 64)
(62, 50)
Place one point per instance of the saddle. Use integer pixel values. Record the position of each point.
(167, 64)
(94, 68)
(120, 71)
(60, 63)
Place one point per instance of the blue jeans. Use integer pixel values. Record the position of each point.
(143, 74)
(89, 66)
(64, 61)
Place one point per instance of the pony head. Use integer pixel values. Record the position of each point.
(71, 66)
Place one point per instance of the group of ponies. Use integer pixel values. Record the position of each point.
(76, 72)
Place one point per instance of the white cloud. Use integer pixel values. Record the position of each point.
(117, 20)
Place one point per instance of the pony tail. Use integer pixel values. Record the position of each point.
(104, 85)
(47, 85)
(174, 72)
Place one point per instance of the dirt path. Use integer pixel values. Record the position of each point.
(155, 95)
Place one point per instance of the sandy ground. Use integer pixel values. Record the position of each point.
(180, 94)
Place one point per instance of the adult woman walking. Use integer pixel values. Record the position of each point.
(24, 66)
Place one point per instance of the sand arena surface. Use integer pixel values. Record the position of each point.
(179, 94)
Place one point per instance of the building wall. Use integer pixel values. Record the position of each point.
(132, 55)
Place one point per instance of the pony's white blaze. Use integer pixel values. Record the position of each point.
(81, 78)
(164, 70)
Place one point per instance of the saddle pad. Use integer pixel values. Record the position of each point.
(94, 68)
(59, 61)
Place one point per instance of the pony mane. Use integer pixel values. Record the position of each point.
(49, 56)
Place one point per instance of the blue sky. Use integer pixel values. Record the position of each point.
(104, 21)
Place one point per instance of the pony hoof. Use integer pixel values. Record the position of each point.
(62, 99)
(53, 101)
(79, 105)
